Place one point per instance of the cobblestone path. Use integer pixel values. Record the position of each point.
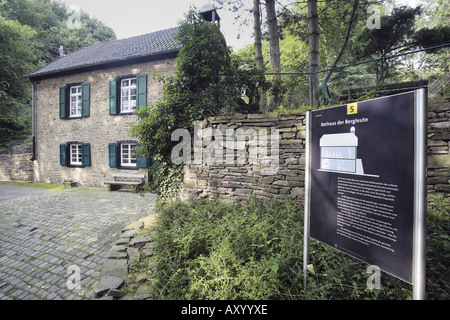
(47, 237)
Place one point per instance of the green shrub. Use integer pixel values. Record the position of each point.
(214, 250)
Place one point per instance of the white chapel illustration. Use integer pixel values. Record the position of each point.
(338, 152)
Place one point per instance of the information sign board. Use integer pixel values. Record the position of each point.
(362, 176)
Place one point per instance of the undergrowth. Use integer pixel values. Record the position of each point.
(213, 250)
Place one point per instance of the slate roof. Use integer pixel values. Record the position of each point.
(119, 50)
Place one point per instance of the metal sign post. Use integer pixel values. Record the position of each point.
(307, 199)
(419, 232)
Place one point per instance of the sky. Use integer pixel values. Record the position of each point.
(130, 18)
(135, 17)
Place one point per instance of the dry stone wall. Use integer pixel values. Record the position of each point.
(241, 181)
(249, 176)
(438, 146)
(16, 164)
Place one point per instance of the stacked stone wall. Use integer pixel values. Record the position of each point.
(241, 181)
(254, 177)
(438, 146)
(16, 164)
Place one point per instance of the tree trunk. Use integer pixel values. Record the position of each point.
(313, 44)
(258, 51)
(347, 36)
(272, 25)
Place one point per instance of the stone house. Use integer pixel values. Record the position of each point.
(83, 104)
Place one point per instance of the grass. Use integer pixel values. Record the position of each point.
(213, 250)
(33, 185)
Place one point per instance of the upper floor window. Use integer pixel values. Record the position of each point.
(75, 101)
(127, 95)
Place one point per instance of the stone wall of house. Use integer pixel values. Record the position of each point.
(240, 181)
(98, 129)
(16, 163)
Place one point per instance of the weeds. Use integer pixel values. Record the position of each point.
(213, 250)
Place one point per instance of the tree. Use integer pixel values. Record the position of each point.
(17, 57)
(351, 21)
(30, 36)
(195, 91)
(394, 36)
(49, 19)
(313, 45)
(259, 60)
(273, 36)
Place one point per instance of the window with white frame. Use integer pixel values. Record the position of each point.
(76, 155)
(75, 101)
(127, 95)
(128, 155)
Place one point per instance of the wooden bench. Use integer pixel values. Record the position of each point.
(129, 179)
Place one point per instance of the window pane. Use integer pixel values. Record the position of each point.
(79, 153)
(75, 101)
(133, 82)
(75, 154)
(128, 157)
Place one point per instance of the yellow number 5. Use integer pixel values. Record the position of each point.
(352, 108)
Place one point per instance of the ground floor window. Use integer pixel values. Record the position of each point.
(128, 155)
(76, 156)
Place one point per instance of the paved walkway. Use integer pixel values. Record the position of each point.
(11, 191)
(46, 238)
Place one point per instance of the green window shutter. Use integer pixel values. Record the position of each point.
(113, 96)
(112, 151)
(86, 154)
(62, 102)
(141, 90)
(85, 88)
(142, 162)
(62, 154)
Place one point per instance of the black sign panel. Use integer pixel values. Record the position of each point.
(362, 181)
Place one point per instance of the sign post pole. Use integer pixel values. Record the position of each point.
(307, 199)
(419, 231)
